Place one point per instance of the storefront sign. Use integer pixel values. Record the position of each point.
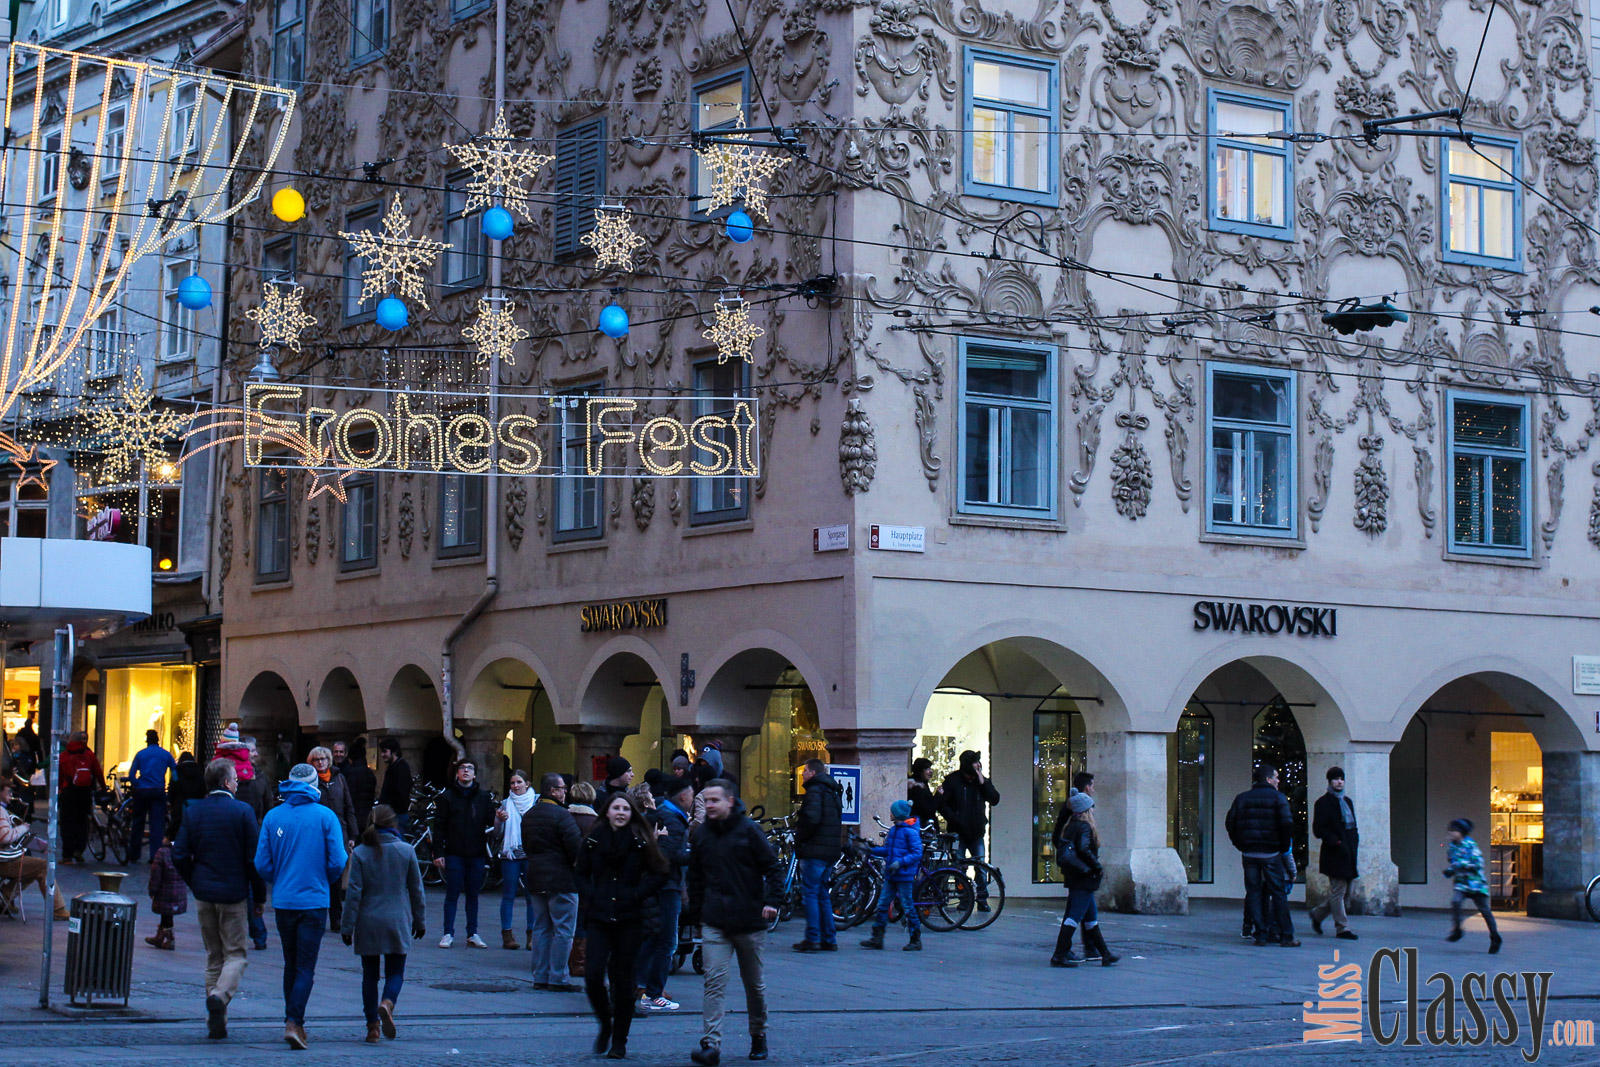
(1234, 617)
(849, 778)
(626, 615)
(161, 623)
(830, 538)
(104, 524)
(1586, 675)
(899, 538)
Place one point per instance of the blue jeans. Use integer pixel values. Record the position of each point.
(555, 923)
(394, 973)
(892, 889)
(151, 804)
(301, 934)
(258, 924)
(510, 889)
(462, 872)
(1266, 898)
(1081, 909)
(655, 955)
(816, 878)
(973, 850)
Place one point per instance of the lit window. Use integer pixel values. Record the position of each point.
(460, 514)
(288, 41)
(184, 136)
(272, 527)
(369, 35)
(580, 183)
(579, 497)
(464, 263)
(1488, 461)
(1251, 173)
(178, 330)
(1007, 412)
(716, 108)
(356, 222)
(115, 141)
(1483, 204)
(1010, 110)
(1250, 419)
(715, 385)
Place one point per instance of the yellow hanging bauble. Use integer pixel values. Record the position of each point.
(288, 205)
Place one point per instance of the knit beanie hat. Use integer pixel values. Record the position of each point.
(1335, 772)
(900, 810)
(674, 786)
(1080, 803)
(1461, 826)
(616, 767)
(302, 772)
(231, 732)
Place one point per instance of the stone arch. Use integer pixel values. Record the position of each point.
(1308, 685)
(340, 707)
(507, 710)
(269, 712)
(514, 651)
(1520, 688)
(755, 658)
(412, 701)
(609, 691)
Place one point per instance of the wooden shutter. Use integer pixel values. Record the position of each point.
(580, 183)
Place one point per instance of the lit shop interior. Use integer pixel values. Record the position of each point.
(131, 700)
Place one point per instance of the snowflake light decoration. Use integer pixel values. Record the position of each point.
(501, 171)
(281, 316)
(134, 433)
(495, 333)
(733, 333)
(394, 257)
(738, 171)
(612, 238)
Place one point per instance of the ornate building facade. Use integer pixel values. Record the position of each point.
(1043, 302)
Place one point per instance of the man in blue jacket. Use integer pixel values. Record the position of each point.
(149, 771)
(215, 853)
(300, 851)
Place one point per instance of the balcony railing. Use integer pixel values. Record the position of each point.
(103, 360)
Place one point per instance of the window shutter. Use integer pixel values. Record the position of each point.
(580, 183)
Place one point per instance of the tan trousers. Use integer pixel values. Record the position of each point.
(32, 869)
(225, 929)
(719, 949)
(1337, 890)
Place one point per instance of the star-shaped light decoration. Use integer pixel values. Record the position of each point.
(612, 238)
(281, 316)
(394, 257)
(23, 458)
(135, 432)
(495, 332)
(500, 170)
(733, 333)
(738, 171)
(327, 475)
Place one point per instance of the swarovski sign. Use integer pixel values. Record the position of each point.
(1298, 620)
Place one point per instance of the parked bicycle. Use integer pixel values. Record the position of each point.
(1591, 898)
(943, 895)
(943, 850)
(780, 833)
(108, 825)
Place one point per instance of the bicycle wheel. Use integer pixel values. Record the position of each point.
(1591, 899)
(97, 841)
(996, 900)
(117, 840)
(855, 894)
(944, 899)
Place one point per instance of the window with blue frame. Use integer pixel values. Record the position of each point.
(1250, 422)
(717, 106)
(1482, 203)
(1488, 457)
(1251, 173)
(1007, 432)
(1010, 118)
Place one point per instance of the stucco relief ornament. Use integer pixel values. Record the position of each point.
(733, 333)
(501, 171)
(1594, 510)
(612, 238)
(739, 171)
(406, 524)
(281, 316)
(516, 509)
(858, 450)
(394, 257)
(1131, 477)
(313, 533)
(1372, 488)
(494, 334)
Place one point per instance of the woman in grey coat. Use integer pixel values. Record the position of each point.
(383, 913)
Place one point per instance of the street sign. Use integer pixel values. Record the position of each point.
(899, 538)
(830, 538)
(849, 777)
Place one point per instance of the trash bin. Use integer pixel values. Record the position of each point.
(100, 936)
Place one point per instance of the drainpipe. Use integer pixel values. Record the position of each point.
(491, 554)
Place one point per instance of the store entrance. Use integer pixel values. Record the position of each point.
(1516, 819)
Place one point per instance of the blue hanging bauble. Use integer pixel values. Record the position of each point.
(739, 227)
(497, 223)
(392, 313)
(613, 321)
(194, 292)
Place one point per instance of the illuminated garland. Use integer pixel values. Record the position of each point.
(495, 333)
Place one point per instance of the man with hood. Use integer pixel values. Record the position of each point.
(964, 801)
(819, 841)
(80, 776)
(300, 852)
(735, 887)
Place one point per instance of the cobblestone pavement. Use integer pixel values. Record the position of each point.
(1188, 991)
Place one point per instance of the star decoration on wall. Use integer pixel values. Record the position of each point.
(23, 459)
(612, 238)
(738, 171)
(495, 332)
(394, 257)
(733, 333)
(281, 316)
(135, 433)
(500, 169)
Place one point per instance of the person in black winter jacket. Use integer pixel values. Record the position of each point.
(1262, 829)
(671, 820)
(362, 782)
(1333, 822)
(620, 871)
(461, 824)
(396, 791)
(735, 887)
(188, 785)
(924, 805)
(551, 840)
(1078, 851)
(819, 841)
(964, 801)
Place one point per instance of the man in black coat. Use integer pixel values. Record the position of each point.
(396, 791)
(461, 824)
(735, 887)
(362, 782)
(1333, 821)
(819, 841)
(551, 841)
(215, 853)
(1262, 829)
(964, 801)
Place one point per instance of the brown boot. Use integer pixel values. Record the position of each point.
(386, 1018)
(507, 941)
(373, 1035)
(294, 1035)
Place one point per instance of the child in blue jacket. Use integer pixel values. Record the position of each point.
(902, 854)
(1466, 869)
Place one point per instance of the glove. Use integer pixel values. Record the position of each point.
(418, 931)
(347, 939)
(1449, 872)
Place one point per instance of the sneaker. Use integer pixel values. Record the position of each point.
(661, 1004)
(1347, 935)
(260, 946)
(1454, 935)
(1494, 943)
(477, 942)
(983, 906)
(446, 941)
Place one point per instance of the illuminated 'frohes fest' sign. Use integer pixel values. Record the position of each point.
(599, 436)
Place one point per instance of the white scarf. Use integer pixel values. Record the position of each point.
(515, 808)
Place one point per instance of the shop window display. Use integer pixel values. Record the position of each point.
(137, 699)
(791, 733)
(1279, 743)
(1191, 794)
(1058, 754)
(1516, 817)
